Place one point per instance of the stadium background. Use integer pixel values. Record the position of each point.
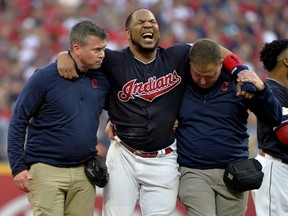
(32, 32)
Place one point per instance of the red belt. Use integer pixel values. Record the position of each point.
(263, 154)
(144, 154)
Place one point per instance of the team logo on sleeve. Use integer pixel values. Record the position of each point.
(150, 90)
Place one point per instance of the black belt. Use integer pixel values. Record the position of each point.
(144, 154)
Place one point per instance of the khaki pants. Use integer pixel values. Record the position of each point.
(204, 193)
(57, 191)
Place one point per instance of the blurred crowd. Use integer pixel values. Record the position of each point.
(34, 31)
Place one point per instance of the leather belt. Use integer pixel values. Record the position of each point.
(144, 154)
(263, 154)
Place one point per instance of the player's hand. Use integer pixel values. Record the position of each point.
(65, 65)
(175, 126)
(110, 130)
(21, 180)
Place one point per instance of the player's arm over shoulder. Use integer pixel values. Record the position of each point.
(65, 65)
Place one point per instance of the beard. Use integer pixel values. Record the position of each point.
(141, 48)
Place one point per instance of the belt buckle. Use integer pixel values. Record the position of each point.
(138, 152)
(144, 154)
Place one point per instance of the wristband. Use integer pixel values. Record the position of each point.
(248, 87)
(233, 64)
(231, 61)
(282, 132)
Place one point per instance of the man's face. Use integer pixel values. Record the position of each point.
(92, 54)
(143, 32)
(205, 76)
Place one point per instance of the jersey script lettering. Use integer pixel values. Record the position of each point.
(150, 90)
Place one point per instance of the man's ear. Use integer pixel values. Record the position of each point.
(76, 49)
(127, 32)
(285, 61)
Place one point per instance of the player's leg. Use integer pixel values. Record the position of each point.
(228, 202)
(195, 191)
(81, 194)
(262, 196)
(121, 193)
(48, 187)
(272, 197)
(159, 179)
(279, 189)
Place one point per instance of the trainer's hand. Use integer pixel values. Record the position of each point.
(244, 94)
(248, 76)
(251, 77)
(21, 180)
(65, 65)
(110, 130)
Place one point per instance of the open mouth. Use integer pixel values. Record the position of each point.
(148, 36)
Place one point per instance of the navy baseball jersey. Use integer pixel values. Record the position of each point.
(267, 139)
(145, 97)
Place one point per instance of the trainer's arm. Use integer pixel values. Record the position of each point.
(248, 77)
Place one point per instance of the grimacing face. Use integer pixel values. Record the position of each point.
(143, 31)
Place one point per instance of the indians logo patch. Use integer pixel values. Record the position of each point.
(150, 90)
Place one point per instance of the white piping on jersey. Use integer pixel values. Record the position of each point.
(274, 80)
(143, 61)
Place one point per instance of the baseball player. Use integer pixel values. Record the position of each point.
(147, 84)
(272, 197)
